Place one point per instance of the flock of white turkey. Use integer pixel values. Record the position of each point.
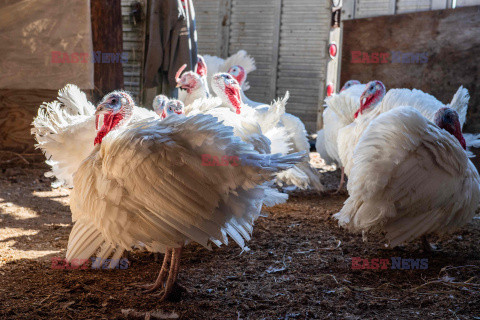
(140, 179)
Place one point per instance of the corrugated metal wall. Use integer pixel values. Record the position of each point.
(287, 39)
(373, 8)
(252, 25)
(302, 60)
(133, 44)
(207, 18)
(405, 6)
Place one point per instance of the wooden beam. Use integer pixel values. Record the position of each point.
(106, 18)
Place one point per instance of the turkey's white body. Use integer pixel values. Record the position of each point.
(339, 113)
(326, 143)
(423, 102)
(65, 132)
(309, 175)
(409, 178)
(147, 184)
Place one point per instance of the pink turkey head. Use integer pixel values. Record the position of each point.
(228, 89)
(189, 81)
(373, 94)
(116, 108)
(447, 119)
(201, 69)
(349, 83)
(159, 103)
(173, 107)
(238, 72)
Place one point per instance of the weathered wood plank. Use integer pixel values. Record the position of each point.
(17, 109)
(106, 17)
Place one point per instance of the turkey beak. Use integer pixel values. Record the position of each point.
(362, 100)
(102, 109)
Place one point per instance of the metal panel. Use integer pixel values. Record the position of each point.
(252, 28)
(404, 6)
(373, 8)
(304, 33)
(134, 45)
(207, 15)
(467, 3)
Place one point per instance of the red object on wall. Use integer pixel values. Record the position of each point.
(330, 89)
(332, 50)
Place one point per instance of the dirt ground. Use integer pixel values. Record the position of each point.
(299, 267)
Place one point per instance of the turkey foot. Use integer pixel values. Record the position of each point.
(172, 256)
(427, 246)
(161, 275)
(342, 182)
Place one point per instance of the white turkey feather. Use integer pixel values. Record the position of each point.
(65, 132)
(216, 64)
(409, 178)
(425, 103)
(321, 148)
(146, 184)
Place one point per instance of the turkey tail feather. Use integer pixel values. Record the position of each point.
(460, 104)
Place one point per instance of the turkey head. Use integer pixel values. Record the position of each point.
(372, 95)
(116, 109)
(228, 89)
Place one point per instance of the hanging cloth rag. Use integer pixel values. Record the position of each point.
(172, 42)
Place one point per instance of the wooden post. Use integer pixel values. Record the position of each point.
(106, 17)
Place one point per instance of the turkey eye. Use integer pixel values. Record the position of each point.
(114, 100)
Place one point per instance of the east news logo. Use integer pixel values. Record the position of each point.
(392, 263)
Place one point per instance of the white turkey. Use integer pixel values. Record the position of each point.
(326, 144)
(295, 129)
(240, 74)
(65, 129)
(165, 107)
(193, 83)
(374, 101)
(145, 184)
(286, 132)
(217, 64)
(410, 177)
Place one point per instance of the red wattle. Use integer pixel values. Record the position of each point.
(110, 121)
(238, 111)
(234, 96)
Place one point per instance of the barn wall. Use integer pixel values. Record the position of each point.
(448, 37)
(134, 45)
(358, 9)
(19, 106)
(288, 40)
(17, 109)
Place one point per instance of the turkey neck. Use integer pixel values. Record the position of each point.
(110, 121)
(456, 132)
(234, 98)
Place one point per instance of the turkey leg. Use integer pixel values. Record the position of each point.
(172, 275)
(342, 182)
(427, 246)
(161, 275)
